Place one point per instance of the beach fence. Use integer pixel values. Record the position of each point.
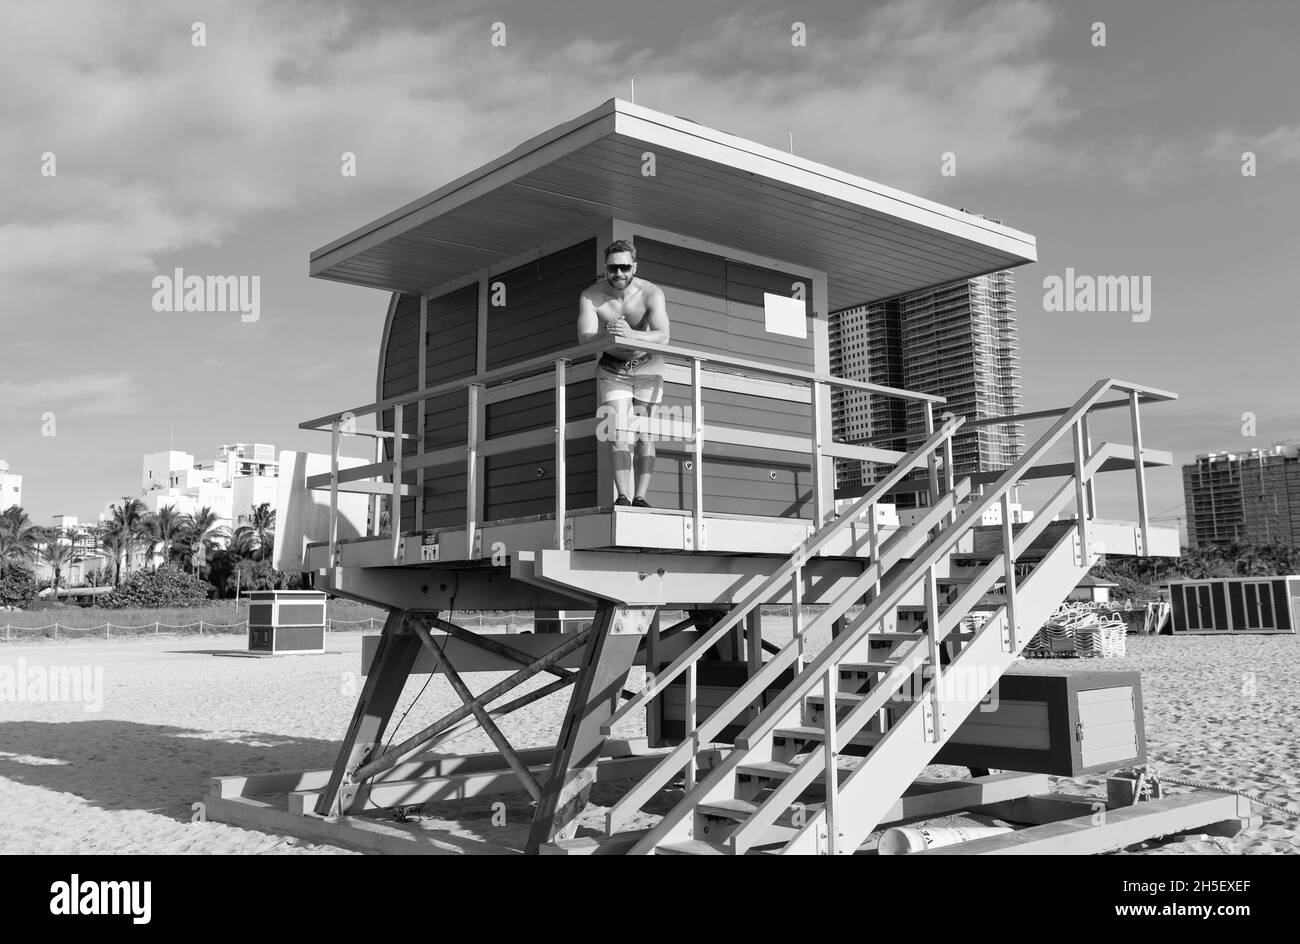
(496, 622)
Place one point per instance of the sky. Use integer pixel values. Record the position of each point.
(1122, 159)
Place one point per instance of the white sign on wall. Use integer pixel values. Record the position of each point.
(785, 315)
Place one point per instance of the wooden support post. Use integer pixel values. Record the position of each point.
(561, 476)
(334, 494)
(1080, 499)
(948, 476)
(932, 641)
(610, 652)
(471, 471)
(383, 687)
(1140, 472)
(754, 652)
(697, 453)
(526, 778)
(1009, 572)
(654, 710)
(933, 459)
(820, 509)
(830, 747)
(1087, 454)
(796, 616)
(395, 506)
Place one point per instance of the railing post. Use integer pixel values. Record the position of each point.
(948, 473)
(697, 453)
(395, 508)
(934, 730)
(1087, 454)
(1080, 497)
(688, 723)
(819, 499)
(831, 749)
(1140, 472)
(933, 459)
(796, 616)
(1009, 559)
(560, 474)
(471, 471)
(373, 525)
(334, 493)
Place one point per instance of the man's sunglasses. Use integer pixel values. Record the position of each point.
(619, 268)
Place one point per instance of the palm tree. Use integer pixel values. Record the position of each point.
(129, 517)
(112, 538)
(18, 536)
(243, 543)
(201, 534)
(162, 528)
(55, 554)
(262, 521)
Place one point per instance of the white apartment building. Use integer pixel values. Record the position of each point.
(11, 487)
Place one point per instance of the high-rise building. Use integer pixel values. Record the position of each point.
(1250, 497)
(11, 487)
(958, 341)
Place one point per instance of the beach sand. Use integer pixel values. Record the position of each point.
(175, 712)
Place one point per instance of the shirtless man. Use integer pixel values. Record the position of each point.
(627, 379)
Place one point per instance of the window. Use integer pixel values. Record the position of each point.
(1200, 611)
(1259, 606)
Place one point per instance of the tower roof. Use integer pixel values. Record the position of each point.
(874, 241)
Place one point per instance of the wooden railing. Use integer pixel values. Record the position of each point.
(818, 445)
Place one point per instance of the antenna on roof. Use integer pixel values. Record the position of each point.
(632, 79)
(791, 142)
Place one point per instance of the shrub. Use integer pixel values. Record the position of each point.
(168, 586)
(17, 586)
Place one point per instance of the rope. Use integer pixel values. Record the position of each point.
(1148, 776)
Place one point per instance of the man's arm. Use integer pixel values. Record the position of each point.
(656, 318)
(588, 320)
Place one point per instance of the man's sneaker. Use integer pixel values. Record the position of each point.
(639, 502)
(622, 500)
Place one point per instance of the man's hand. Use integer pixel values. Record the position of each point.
(619, 328)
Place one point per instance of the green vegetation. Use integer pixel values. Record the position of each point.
(1140, 578)
(168, 586)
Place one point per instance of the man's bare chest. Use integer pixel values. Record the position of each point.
(632, 308)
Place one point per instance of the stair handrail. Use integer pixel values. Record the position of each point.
(935, 551)
(804, 550)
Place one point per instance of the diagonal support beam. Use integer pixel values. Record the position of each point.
(498, 648)
(392, 757)
(485, 721)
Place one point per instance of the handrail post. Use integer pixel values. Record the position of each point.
(948, 474)
(334, 493)
(1087, 454)
(689, 726)
(831, 749)
(1009, 560)
(697, 452)
(796, 616)
(471, 471)
(935, 733)
(374, 497)
(933, 459)
(395, 508)
(560, 437)
(1080, 496)
(1140, 472)
(819, 499)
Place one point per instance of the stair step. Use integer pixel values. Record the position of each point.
(765, 770)
(807, 732)
(867, 668)
(691, 847)
(739, 810)
(896, 637)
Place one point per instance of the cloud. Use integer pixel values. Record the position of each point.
(1143, 161)
(163, 146)
(89, 394)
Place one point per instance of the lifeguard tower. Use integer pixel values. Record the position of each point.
(499, 496)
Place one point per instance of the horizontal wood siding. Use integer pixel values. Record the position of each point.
(541, 310)
(401, 355)
(515, 489)
(716, 304)
(445, 419)
(451, 338)
(538, 410)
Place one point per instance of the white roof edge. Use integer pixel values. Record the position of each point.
(873, 195)
(647, 124)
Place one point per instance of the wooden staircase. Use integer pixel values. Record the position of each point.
(802, 779)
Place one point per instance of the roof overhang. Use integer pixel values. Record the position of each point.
(873, 241)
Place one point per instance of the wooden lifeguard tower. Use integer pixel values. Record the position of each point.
(501, 497)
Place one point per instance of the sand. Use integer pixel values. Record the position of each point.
(175, 712)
